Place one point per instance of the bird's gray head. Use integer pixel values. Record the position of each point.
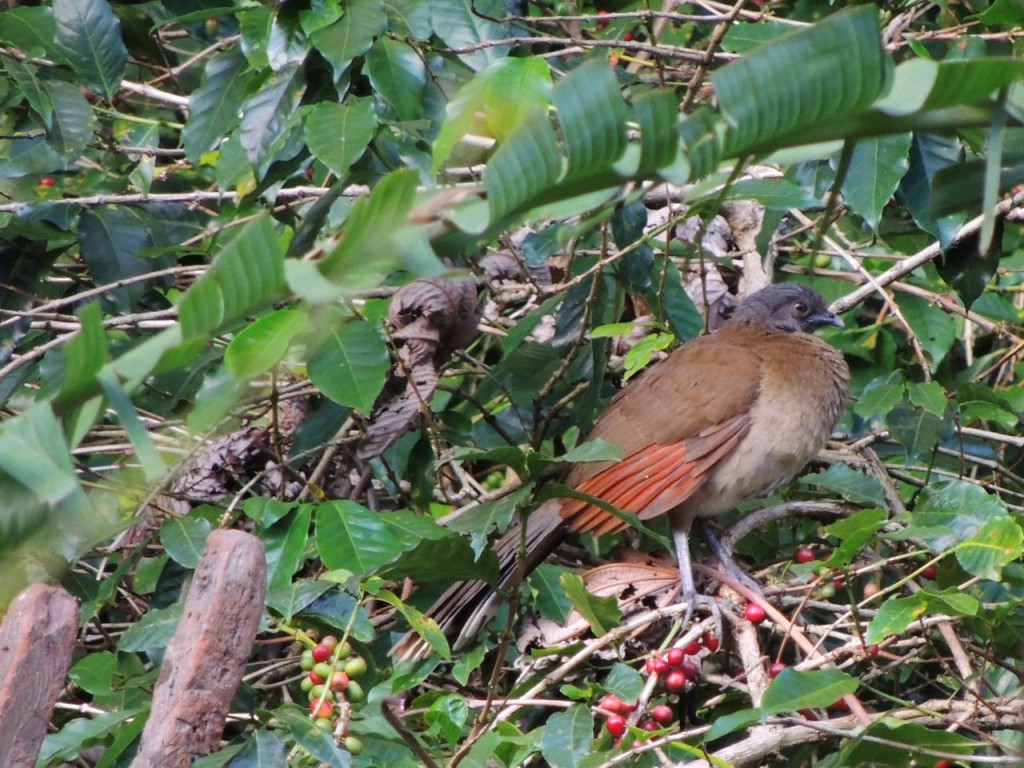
(789, 307)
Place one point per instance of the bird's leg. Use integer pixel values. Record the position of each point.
(729, 565)
(681, 539)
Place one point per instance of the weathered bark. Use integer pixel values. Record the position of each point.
(36, 640)
(206, 657)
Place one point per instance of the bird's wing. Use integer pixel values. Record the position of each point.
(673, 425)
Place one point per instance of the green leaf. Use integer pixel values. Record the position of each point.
(491, 515)
(153, 465)
(260, 345)
(793, 690)
(111, 239)
(853, 533)
(656, 113)
(894, 616)
(462, 25)
(269, 113)
(950, 513)
(448, 715)
(319, 743)
(853, 484)
(802, 79)
(568, 737)
(880, 745)
(184, 538)
(624, 681)
(930, 396)
(352, 35)
(338, 134)
(602, 613)
(594, 450)
(153, 631)
(493, 103)
(773, 194)
(592, 117)
(732, 722)
(398, 74)
(33, 451)
(529, 162)
(350, 536)
(551, 602)
(246, 276)
(996, 544)
(32, 30)
(88, 34)
(72, 120)
(214, 106)
(85, 355)
(422, 625)
(923, 84)
(875, 171)
(880, 395)
(351, 366)
(287, 544)
(917, 430)
(367, 254)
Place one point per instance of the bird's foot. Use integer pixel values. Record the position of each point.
(695, 599)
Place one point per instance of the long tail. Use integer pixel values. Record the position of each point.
(467, 605)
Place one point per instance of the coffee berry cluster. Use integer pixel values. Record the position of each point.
(332, 688)
(673, 669)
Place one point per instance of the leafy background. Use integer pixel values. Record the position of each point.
(207, 210)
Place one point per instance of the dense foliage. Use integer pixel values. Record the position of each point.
(207, 213)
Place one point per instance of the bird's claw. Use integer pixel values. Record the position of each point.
(695, 599)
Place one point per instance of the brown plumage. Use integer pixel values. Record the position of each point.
(725, 418)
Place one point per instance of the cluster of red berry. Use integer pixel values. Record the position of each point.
(674, 669)
(331, 686)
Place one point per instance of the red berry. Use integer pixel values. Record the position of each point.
(657, 665)
(316, 679)
(602, 22)
(943, 764)
(615, 725)
(339, 681)
(692, 649)
(804, 555)
(838, 706)
(649, 725)
(710, 641)
(627, 37)
(675, 681)
(755, 613)
(930, 572)
(47, 181)
(330, 641)
(675, 656)
(663, 714)
(689, 669)
(873, 650)
(775, 669)
(321, 653)
(612, 703)
(320, 709)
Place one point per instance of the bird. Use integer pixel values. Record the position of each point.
(725, 418)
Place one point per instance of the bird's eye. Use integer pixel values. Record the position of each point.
(800, 308)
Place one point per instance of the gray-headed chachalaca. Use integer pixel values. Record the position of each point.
(725, 418)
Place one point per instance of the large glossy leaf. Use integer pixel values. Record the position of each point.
(528, 163)
(592, 116)
(213, 108)
(338, 134)
(398, 74)
(494, 103)
(793, 690)
(110, 239)
(876, 167)
(366, 253)
(352, 35)
(351, 365)
(801, 79)
(260, 345)
(351, 537)
(568, 737)
(31, 30)
(923, 84)
(34, 452)
(246, 275)
(269, 113)
(88, 34)
(72, 120)
(656, 113)
(460, 26)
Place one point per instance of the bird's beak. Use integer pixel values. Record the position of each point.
(826, 318)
